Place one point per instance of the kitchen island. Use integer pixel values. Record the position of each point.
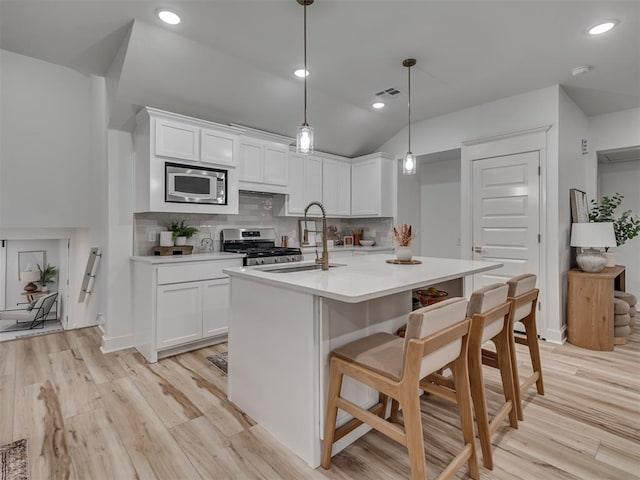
(284, 325)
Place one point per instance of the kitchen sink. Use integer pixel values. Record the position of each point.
(298, 268)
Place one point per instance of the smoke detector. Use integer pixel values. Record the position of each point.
(581, 70)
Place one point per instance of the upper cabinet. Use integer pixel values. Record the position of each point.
(218, 148)
(305, 183)
(161, 138)
(263, 166)
(336, 187)
(176, 140)
(372, 180)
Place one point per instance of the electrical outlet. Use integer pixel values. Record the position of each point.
(152, 236)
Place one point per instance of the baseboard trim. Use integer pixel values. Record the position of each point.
(114, 344)
(556, 336)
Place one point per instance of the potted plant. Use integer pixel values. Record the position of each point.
(626, 226)
(403, 236)
(180, 232)
(47, 276)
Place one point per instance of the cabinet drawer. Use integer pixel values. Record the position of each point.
(195, 271)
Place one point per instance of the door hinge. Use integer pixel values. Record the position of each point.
(539, 306)
(539, 170)
(539, 238)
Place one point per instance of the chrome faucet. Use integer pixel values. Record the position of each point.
(324, 261)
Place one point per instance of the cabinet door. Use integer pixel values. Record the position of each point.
(251, 162)
(275, 165)
(218, 147)
(297, 198)
(313, 180)
(365, 188)
(215, 307)
(344, 188)
(179, 314)
(176, 140)
(330, 186)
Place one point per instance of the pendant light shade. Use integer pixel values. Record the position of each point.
(409, 164)
(304, 138)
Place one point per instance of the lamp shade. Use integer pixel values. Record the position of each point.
(593, 235)
(30, 276)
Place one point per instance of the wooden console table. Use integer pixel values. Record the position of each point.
(590, 307)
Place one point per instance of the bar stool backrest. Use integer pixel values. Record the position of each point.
(517, 286)
(431, 319)
(483, 300)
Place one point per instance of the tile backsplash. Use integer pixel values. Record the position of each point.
(256, 210)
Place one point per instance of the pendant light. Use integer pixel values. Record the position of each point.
(409, 160)
(304, 138)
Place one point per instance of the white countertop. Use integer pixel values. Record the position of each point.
(364, 277)
(196, 257)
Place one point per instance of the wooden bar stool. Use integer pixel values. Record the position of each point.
(437, 335)
(523, 295)
(489, 310)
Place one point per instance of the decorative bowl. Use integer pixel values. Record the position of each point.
(367, 243)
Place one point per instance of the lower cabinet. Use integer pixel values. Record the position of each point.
(180, 306)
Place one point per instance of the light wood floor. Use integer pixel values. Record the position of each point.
(94, 416)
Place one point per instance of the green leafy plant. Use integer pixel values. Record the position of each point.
(626, 226)
(179, 229)
(47, 274)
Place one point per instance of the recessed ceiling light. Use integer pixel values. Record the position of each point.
(167, 16)
(602, 27)
(300, 73)
(378, 105)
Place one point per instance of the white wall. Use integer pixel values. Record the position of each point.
(53, 164)
(118, 318)
(45, 143)
(440, 206)
(624, 178)
(573, 172)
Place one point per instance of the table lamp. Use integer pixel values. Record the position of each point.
(589, 236)
(30, 276)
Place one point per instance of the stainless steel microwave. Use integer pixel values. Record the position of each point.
(195, 184)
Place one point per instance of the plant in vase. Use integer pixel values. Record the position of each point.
(180, 232)
(625, 226)
(403, 237)
(47, 276)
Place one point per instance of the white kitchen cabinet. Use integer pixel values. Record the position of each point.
(163, 137)
(179, 305)
(215, 307)
(336, 187)
(176, 140)
(263, 166)
(218, 148)
(372, 179)
(179, 314)
(305, 185)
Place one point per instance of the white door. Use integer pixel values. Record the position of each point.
(506, 212)
(215, 307)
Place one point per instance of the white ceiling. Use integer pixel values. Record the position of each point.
(232, 60)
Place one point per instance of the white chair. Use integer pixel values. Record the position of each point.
(35, 315)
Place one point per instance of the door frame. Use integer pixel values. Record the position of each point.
(534, 139)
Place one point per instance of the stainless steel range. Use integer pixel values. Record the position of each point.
(258, 245)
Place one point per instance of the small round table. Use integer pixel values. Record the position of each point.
(31, 296)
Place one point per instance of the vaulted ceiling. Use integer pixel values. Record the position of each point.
(231, 61)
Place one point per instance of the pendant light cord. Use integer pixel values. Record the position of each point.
(409, 74)
(305, 63)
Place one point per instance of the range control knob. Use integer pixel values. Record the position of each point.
(276, 260)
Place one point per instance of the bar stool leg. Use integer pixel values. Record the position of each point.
(463, 393)
(335, 385)
(415, 439)
(516, 375)
(534, 351)
(504, 364)
(476, 381)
